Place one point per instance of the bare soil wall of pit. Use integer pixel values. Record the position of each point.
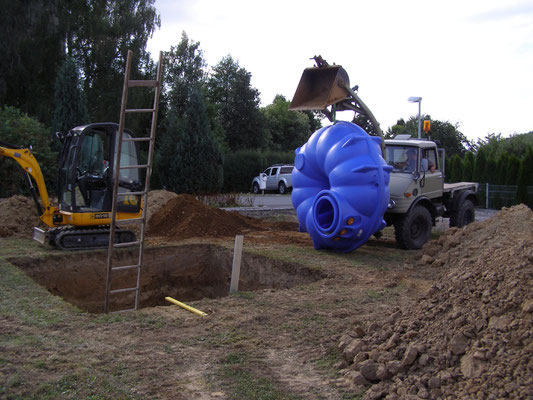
(187, 272)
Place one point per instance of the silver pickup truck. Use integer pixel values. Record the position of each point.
(277, 177)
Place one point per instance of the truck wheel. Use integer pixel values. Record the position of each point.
(282, 188)
(255, 188)
(465, 215)
(413, 230)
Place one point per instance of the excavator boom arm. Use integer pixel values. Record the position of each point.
(27, 161)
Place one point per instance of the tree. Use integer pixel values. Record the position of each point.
(525, 179)
(480, 167)
(491, 172)
(448, 134)
(18, 129)
(287, 130)
(184, 70)
(30, 51)
(237, 106)
(98, 35)
(36, 35)
(456, 168)
(468, 167)
(513, 168)
(194, 158)
(501, 168)
(70, 101)
(496, 144)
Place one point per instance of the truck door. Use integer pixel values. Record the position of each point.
(431, 177)
(272, 182)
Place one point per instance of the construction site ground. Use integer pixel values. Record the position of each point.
(284, 335)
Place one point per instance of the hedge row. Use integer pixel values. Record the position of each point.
(242, 166)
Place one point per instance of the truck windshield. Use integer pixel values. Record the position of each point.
(402, 158)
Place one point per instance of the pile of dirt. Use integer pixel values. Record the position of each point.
(18, 216)
(471, 334)
(156, 200)
(184, 217)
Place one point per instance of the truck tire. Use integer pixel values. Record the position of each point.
(255, 188)
(282, 188)
(413, 230)
(465, 215)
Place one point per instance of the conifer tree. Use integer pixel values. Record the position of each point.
(195, 165)
(525, 179)
(70, 101)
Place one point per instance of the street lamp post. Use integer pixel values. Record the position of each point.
(417, 100)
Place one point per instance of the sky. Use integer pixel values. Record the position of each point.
(471, 61)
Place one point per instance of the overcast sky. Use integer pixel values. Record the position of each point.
(471, 61)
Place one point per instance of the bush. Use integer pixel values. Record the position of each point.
(242, 166)
(18, 129)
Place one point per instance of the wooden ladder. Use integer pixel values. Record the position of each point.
(139, 243)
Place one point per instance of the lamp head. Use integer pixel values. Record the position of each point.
(415, 99)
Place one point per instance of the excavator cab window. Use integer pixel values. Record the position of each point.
(86, 170)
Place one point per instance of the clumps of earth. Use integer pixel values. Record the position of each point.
(471, 335)
(18, 215)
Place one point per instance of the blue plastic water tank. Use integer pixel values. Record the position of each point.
(340, 187)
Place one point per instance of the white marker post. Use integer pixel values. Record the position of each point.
(236, 268)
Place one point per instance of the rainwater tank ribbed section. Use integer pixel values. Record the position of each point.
(340, 187)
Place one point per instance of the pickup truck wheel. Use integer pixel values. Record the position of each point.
(282, 188)
(255, 188)
(413, 230)
(465, 215)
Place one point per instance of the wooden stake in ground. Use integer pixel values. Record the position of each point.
(236, 268)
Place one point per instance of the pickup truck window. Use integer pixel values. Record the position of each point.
(267, 171)
(286, 170)
(274, 171)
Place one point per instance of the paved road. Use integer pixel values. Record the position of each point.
(278, 201)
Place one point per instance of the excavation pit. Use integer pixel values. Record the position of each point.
(186, 273)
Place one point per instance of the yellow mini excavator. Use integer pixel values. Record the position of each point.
(87, 165)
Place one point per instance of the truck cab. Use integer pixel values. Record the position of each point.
(418, 194)
(417, 171)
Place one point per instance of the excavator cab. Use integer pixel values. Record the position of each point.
(86, 168)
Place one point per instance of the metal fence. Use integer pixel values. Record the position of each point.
(498, 196)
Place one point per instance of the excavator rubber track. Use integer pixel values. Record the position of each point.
(72, 238)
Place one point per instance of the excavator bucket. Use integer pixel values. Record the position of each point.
(320, 87)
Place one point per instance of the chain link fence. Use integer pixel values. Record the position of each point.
(498, 196)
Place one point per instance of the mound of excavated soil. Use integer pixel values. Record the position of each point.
(18, 216)
(185, 217)
(156, 200)
(471, 334)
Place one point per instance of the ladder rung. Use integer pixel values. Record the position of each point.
(137, 139)
(149, 83)
(119, 311)
(140, 110)
(133, 167)
(122, 267)
(131, 289)
(127, 244)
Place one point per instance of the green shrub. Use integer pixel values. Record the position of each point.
(18, 129)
